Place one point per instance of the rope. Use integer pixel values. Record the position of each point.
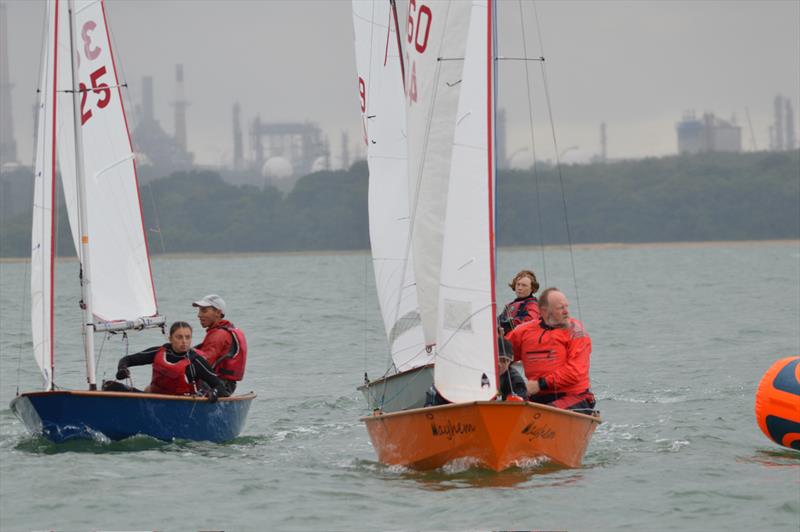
(130, 110)
(534, 173)
(364, 306)
(26, 278)
(366, 132)
(22, 315)
(558, 164)
(106, 336)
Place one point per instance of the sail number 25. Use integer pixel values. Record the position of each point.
(419, 29)
(92, 52)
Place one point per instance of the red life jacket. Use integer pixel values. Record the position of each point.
(231, 365)
(519, 311)
(170, 378)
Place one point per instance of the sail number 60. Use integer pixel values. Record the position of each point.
(423, 18)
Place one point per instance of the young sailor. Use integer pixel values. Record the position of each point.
(224, 346)
(525, 307)
(555, 352)
(511, 382)
(177, 368)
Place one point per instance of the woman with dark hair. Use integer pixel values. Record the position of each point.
(177, 368)
(525, 307)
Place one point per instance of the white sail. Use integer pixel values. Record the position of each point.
(43, 226)
(435, 40)
(122, 286)
(465, 358)
(380, 87)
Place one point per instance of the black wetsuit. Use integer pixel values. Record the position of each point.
(512, 381)
(197, 371)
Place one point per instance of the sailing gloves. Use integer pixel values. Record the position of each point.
(123, 373)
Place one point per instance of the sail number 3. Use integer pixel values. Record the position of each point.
(92, 52)
(419, 29)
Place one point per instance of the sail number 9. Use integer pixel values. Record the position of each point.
(92, 52)
(362, 93)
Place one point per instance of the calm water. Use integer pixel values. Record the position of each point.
(681, 338)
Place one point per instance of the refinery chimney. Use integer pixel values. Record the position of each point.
(148, 114)
(603, 142)
(791, 140)
(180, 106)
(778, 127)
(238, 152)
(8, 146)
(501, 143)
(345, 150)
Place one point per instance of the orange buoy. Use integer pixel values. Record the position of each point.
(778, 403)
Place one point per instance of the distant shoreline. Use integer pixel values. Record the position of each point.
(605, 245)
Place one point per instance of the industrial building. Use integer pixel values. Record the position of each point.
(707, 134)
(781, 132)
(162, 153)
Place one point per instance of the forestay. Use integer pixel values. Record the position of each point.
(383, 116)
(465, 358)
(121, 283)
(43, 225)
(435, 40)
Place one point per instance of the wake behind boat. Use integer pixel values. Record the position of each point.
(447, 91)
(82, 127)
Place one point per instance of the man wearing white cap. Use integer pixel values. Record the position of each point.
(224, 346)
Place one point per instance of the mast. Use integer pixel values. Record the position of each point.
(492, 142)
(393, 3)
(83, 251)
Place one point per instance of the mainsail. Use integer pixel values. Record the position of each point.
(122, 285)
(465, 357)
(383, 116)
(435, 42)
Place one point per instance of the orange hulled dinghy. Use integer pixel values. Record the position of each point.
(495, 434)
(447, 97)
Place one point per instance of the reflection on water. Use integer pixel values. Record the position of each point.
(773, 458)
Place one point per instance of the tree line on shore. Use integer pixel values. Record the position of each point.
(717, 196)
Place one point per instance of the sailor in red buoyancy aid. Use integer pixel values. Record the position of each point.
(177, 368)
(224, 346)
(555, 352)
(525, 307)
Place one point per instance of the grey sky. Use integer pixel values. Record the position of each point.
(637, 65)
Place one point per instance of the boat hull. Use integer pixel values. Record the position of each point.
(66, 415)
(401, 391)
(496, 434)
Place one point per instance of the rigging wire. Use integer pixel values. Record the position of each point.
(533, 146)
(130, 110)
(26, 277)
(366, 134)
(558, 161)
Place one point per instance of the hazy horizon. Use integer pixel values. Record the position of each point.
(638, 66)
